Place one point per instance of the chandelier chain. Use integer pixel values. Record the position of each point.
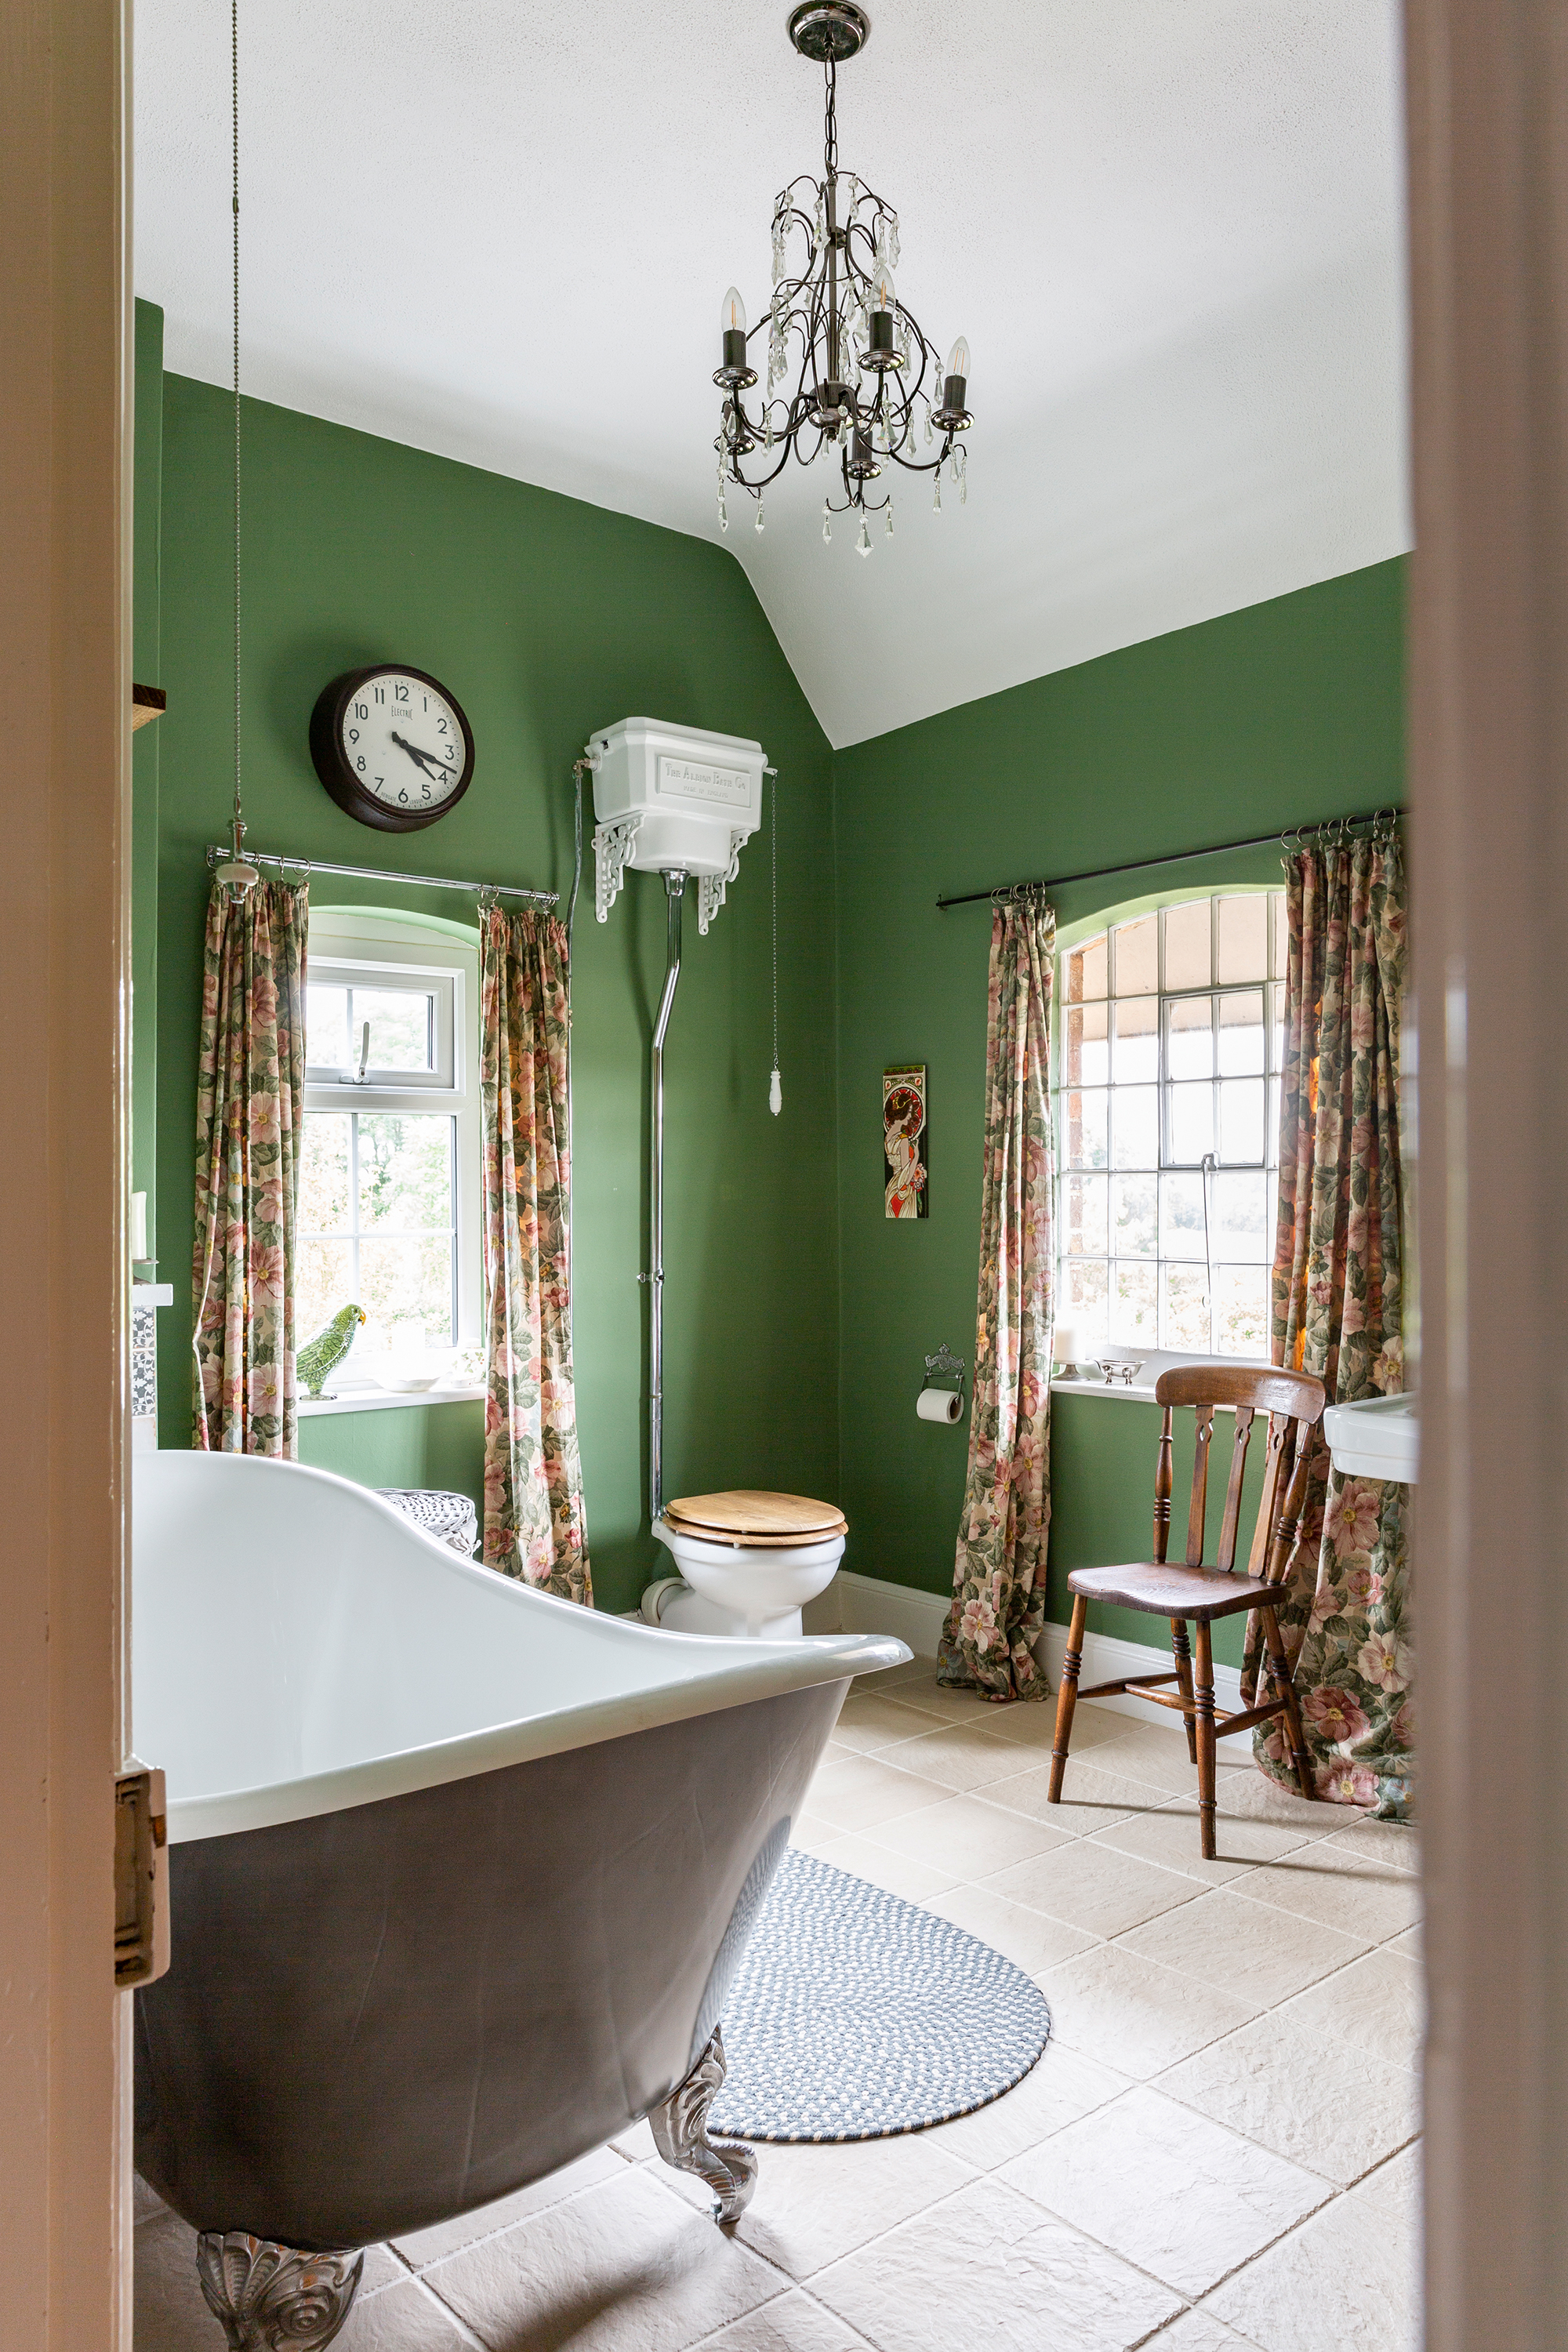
(830, 119)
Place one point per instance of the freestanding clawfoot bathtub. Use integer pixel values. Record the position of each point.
(459, 1875)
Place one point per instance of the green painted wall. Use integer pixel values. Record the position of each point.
(146, 663)
(548, 618)
(402, 1445)
(1276, 715)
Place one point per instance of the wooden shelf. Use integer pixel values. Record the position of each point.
(146, 703)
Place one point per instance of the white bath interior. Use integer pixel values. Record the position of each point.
(298, 1646)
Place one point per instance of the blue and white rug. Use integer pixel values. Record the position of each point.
(855, 2015)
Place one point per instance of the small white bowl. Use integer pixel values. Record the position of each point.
(408, 1383)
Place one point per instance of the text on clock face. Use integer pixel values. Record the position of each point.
(403, 741)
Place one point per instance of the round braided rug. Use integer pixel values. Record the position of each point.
(855, 2015)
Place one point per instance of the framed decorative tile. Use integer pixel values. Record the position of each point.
(904, 1140)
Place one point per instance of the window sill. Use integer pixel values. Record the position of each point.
(1157, 1362)
(384, 1400)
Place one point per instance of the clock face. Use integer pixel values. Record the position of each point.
(392, 746)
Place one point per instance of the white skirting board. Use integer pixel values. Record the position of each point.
(865, 1605)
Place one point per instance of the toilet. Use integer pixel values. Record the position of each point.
(749, 1564)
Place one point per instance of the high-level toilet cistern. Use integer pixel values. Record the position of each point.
(681, 803)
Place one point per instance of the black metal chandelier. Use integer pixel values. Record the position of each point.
(864, 375)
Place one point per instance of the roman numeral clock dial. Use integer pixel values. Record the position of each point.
(392, 746)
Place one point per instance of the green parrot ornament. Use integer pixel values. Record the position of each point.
(321, 1357)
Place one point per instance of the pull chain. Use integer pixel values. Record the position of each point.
(776, 1090)
(236, 874)
(234, 65)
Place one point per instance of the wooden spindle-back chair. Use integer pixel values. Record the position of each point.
(1294, 1402)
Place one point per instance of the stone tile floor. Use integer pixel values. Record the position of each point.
(1217, 2150)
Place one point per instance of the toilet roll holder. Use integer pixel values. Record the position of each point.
(941, 1367)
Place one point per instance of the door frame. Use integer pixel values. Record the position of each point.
(1488, 123)
(65, 681)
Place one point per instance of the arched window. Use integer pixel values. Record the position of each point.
(389, 1184)
(1168, 1091)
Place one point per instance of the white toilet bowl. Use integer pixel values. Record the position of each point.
(746, 1588)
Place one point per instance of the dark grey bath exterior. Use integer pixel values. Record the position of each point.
(382, 2017)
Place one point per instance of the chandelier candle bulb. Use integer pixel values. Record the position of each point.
(734, 375)
(883, 305)
(952, 415)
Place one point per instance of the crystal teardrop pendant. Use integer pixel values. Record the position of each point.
(964, 481)
(723, 513)
(758, 524)
(893, 242)
(887, 526)
(826, 524)
(936, 491)
(863, 544)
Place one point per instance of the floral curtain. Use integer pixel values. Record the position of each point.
(998, 1581)
(1337, 1266)
(534, 1525)
(250, 1093)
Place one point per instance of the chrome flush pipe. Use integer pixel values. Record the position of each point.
(675, 890)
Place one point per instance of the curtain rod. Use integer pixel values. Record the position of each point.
(217, 853)
(1342, 826)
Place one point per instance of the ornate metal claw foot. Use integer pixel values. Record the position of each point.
(271, 2299)
(679, 2134)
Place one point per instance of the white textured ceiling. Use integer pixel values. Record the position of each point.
(1172, 230)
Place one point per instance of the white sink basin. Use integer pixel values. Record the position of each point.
(1378, 1438)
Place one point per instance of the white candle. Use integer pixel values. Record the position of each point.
(1063, 1345)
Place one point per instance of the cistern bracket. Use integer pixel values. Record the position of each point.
(680, 2129)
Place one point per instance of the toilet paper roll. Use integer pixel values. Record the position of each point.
(939, 1404)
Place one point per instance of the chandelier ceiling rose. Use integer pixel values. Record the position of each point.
(862, 384)
(821, 29)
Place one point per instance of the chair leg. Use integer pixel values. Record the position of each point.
(1285, 1684)
(1066, 1697)
(1203, 1701)
(1181, 1654)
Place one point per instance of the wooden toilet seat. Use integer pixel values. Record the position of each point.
(746, 1515)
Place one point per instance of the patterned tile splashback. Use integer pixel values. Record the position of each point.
(143, 1362)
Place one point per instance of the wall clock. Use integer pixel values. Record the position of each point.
(392, 746)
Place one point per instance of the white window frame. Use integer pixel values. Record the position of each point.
(1080, 936)
(386, 950)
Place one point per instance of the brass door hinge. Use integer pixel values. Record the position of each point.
(140, 1876)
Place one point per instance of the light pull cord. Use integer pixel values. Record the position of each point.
(776, 1090)
(236, 873)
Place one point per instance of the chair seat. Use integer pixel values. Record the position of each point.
(1173, 1591)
